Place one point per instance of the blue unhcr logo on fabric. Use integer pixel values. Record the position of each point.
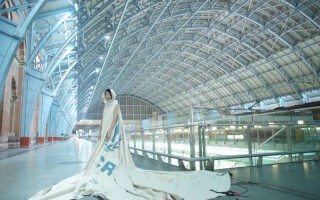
(115, 144)
(110, 146)
(109, 166)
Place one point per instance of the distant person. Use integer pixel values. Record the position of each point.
(111, 173)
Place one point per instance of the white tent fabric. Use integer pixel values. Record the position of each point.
(111, 174)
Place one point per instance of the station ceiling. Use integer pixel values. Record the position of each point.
(218, 54)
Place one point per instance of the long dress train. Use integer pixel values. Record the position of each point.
(111, 174)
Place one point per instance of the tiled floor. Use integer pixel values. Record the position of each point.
(24, 172)
(294, 181)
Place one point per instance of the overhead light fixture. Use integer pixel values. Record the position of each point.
(300, 122)
(69, 48)
(76, 6)
(107, 37)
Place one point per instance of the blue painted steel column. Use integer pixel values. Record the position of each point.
(59, 121)
(46, 102)
(52, 128)
(64, 124)
(11, 37)
(33, 83)
(8, 48)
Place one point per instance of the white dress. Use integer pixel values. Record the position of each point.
(111, 174)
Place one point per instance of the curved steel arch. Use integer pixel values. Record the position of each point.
(120, 70)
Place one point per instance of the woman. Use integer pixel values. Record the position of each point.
(111, 173)
(112, 107)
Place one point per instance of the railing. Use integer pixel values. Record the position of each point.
(274, 135)
(209, 162)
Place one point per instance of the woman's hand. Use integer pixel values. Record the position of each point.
(107, 136)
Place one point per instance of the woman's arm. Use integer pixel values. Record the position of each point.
(113, 123)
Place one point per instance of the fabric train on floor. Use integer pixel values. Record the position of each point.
(111, 174)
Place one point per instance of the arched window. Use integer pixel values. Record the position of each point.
(132, 108)
(14, 97)
(13, 87)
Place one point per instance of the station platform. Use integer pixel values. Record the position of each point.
(24, 172)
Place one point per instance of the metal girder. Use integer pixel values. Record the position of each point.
(15, 36)
(17, 8)
(262, 80)
(308, 62)
(182, 26)
(65, 75)
(189, 18)
(150, 44)
(46, 37)
(284, 75)
(141, 41)
(114, 36)
(124, 21)
(171, 68)
(306, 15)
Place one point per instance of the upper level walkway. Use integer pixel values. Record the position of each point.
(24, 172)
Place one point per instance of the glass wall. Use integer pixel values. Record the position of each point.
(201, 133)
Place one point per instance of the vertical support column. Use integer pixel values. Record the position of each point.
(9, 47)
(204, 153)
(249, 140)
(258, 137)
(134, 139)
(60, 124)
(142, 139)
(12, 118)
(289, 140)
(45, 105)
(154, 143)
(168, 135)
(11, 36)
(316, 138)
(52, 121)
(65, 126)
(200, 145)
(32, 86)
(192, 142)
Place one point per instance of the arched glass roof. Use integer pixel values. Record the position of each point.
(215, 54)
(219, 54)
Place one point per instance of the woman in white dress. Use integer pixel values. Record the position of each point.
(111, 173)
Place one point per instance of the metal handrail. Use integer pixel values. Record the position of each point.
(213, 158)
(270, 138)
(208, 123)
(307, 140)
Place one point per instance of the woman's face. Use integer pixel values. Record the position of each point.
(107, 96)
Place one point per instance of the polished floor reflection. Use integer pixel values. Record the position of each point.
(289, 181)
(24, 172)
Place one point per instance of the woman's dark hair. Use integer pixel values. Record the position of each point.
(109, 91)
